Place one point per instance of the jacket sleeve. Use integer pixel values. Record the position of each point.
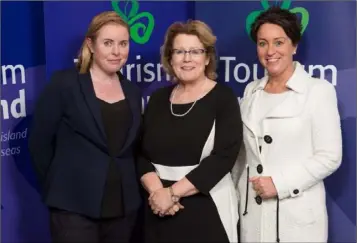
(144, 165)
(227, 142)
(292, 180)
(44, 125)
(241, 162)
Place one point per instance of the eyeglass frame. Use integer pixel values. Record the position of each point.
(202, 51)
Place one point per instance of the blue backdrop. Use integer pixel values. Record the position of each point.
(41, 37)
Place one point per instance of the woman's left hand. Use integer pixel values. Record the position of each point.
(264, 186)
(160, 201)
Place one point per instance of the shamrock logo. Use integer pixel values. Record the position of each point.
(285, 4)
(139, 32)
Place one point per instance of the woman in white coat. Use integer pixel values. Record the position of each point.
(292, 141)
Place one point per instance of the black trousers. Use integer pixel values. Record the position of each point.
(71, 227)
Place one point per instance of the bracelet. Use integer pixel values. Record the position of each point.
(174, 197)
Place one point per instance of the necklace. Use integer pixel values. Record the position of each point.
(173, 96)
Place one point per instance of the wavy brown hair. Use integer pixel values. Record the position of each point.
(204, 34)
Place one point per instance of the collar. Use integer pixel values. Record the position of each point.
(296, 82)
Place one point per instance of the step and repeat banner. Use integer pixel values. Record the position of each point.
(41, 37)
(23, 75)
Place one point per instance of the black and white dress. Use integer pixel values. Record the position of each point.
(203, 146)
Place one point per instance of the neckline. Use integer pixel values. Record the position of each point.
(276, 94)
(190, 103)
(112, 103)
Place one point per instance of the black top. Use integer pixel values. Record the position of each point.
(178, 141)
(116, 120)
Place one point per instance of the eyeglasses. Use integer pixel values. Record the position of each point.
(193, 52)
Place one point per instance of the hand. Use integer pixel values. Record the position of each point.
(174, 209)
(264, 186)
(160, 201)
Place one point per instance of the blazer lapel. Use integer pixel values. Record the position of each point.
(94, 106)
(92, 102)
(135, 108)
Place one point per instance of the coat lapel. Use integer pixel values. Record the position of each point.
(92, 102)
(292, 106)
(248, 106)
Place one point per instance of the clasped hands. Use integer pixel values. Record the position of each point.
(161, 203)
(264, 186)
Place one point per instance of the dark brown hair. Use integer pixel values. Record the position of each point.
(288, 21)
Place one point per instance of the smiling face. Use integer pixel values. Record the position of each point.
(110, 48)
(189, 58)
(275, 49)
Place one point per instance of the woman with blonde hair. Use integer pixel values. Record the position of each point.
(192, 133)
(84, 129)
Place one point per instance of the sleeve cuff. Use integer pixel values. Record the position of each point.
(144, 167)
(280, 186)
(283, 188)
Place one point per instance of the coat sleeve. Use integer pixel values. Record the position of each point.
(227, 142)
(44, 125)
(292, 180)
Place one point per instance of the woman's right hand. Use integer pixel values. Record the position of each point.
(152, 183)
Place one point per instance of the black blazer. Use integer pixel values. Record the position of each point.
(67, 143)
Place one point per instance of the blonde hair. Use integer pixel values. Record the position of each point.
(204, 34)
(100, 20)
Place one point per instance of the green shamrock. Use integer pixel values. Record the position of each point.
(284, 5)
(133, 19)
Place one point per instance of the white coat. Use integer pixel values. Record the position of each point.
(301, 147)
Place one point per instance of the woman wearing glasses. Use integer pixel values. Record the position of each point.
(191, 138)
